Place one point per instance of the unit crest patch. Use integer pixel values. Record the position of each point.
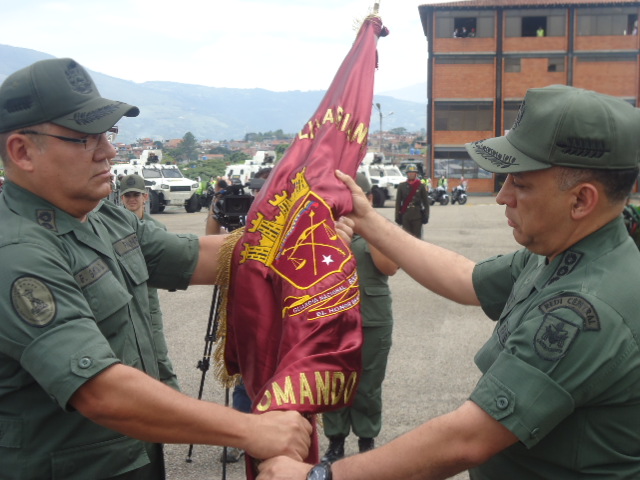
(554, 337)
(33, 301)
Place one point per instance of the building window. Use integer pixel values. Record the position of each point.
(535, 23)
(462, 59)
(607, 57)
(607, 21)
(456, 163)
(463, 116)
(555, 65)
(474, 23)
(512, 64)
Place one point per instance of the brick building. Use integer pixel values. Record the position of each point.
(484, 55)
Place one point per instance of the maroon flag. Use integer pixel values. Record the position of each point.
(293, 319)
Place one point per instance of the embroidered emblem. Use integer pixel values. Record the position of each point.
(577, 304)
(498, 159)
(78, 79)
(521, 111)
(47, 219)
(554, 337)
(583, 147)
(33, 301)
(85, 118)
(92, 273)
(569, 262)
(302, 246)
(18, 104)
(126, 244)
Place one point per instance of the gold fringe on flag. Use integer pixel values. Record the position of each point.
(223, 281)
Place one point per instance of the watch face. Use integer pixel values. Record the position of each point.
(319, 472)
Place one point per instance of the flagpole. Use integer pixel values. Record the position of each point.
(376, 7)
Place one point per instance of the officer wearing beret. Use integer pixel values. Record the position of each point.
(559, 395)
(80, 396)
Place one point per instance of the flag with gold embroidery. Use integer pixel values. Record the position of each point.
(293, 320)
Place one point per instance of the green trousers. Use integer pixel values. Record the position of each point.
(364, 416)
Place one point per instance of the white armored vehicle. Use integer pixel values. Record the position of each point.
(165, 183)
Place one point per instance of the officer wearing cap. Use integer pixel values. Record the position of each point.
(79, 391)
(412, 203)
(559, 395)
(133, 197)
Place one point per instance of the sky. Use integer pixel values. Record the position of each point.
(277, 45)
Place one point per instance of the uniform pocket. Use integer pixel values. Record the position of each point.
(100, 460)
(106, 296)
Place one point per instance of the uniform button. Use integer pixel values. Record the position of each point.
(502, 402)
(535, 432)
(85, 362)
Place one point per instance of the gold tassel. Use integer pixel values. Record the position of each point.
(223, 280)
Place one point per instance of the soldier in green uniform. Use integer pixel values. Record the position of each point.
(412, 203)
(79, 391)
(364, 417)
(134, 197)
(559, 395)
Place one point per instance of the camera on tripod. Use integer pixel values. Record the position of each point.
(231, 207)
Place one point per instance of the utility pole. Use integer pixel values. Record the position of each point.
(381, 117)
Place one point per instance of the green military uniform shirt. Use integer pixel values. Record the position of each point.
(73, 302)
(562, 368)
(165, 367)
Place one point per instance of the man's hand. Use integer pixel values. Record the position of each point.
(361, 205)
(283, 468)
(279, 433)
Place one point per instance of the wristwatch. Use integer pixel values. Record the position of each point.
(322, 471)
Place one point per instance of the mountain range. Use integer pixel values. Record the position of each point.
(169, 109)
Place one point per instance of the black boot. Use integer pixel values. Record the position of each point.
(335, 451)
(366, 444)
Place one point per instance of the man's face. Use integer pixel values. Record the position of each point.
(71, 177)
(537, 210)
(411, 176)
(134, 201)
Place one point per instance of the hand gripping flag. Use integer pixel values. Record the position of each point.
(293, 328)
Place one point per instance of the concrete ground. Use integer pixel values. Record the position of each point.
(431, 369)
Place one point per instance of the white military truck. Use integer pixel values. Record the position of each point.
(165, 183)
(242, 173)
(383, 177)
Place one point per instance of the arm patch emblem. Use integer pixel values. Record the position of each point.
(33, 301)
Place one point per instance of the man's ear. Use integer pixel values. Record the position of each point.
(585, 200)
(20, 149)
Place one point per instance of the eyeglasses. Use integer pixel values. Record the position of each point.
(90, 141)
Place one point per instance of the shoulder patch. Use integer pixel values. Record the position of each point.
(47, 218)
(554, 337)
(33, 301)
(570, 260)
(576, 303)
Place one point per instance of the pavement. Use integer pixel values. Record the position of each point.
(431, 369)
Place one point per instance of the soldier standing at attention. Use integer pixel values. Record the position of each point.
(412, 203)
